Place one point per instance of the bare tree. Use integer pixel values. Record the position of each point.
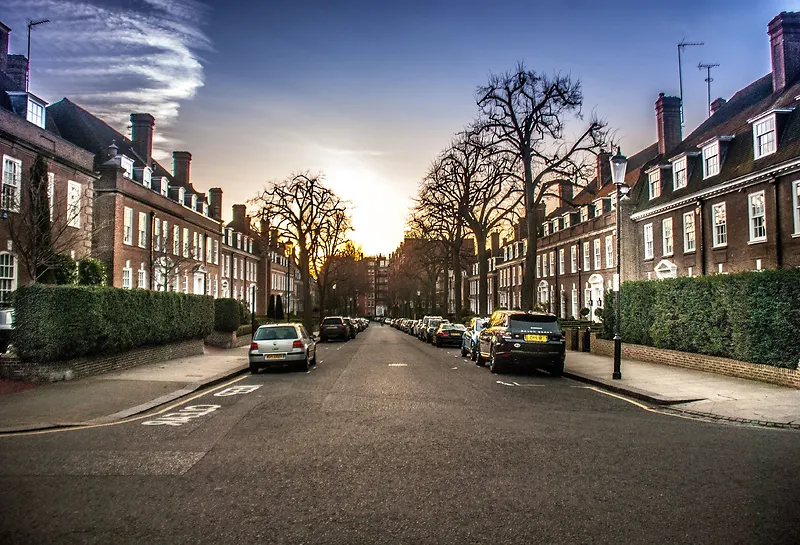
(306, 214)
(527, 114)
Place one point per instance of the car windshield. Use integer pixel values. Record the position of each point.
(276, 333)
(454, 327)
(536, 322)
(332, 321)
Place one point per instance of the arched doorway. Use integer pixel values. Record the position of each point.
(594, 295)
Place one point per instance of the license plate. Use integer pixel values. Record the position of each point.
(273, 357)
(536, 338)
(331, 327)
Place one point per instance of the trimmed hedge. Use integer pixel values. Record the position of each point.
(751, 316)
(226, 315)
(63, 322)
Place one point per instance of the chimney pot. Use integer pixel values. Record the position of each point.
(784, 45)
(717, 104)
(181, 167)
(215, 202)
(668, 123)
(143, 125)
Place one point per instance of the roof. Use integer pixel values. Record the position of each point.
(733, 119)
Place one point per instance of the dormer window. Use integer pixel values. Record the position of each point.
(35, 112)
(194, 202)
(205, 209)
(545, 229)
(555, 225)
(584, 213)
(654, 183)
(680, 173)
(127, 165)
(182, 195)
(764, 137)
(711, 160)
(598, 208)
(566, 221)
(164, 187)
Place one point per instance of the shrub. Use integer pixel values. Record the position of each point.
(62, 322)
(64, 270)
(244, 313)
(91, 272)
(585, 313)
(244, 330)
(226, 315)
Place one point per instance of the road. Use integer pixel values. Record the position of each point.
(389, 440)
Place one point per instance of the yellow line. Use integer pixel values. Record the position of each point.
(642, 406)
(127, 420)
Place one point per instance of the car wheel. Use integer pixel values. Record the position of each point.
(557, 369)
(314, 359)
(304, 365)
(463, 352)
(494, 367)
(253, 369)
(479, 361)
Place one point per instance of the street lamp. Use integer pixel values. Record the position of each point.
(619, 164)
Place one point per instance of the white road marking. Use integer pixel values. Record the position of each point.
(237, 390)
(504, 383)
(454, 368)
(398, 365)
(520, 385)
(187, 414)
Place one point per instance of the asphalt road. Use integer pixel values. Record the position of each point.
(389, 440)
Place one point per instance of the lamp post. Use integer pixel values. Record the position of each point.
(288, 266)
(335, 302)
(619, 164)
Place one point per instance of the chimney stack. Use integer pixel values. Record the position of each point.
(215, 202)
(17, 70)
(181, 167)
(668, 122)
(565, 192)
(4, 31)
(717, 104)
(239, 216)
(495, 243)
(142, 136)
(602, 168)
(784, 44)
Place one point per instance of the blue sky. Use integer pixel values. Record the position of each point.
(369, 91)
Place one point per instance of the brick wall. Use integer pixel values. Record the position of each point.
(700, 362)
(84, 367)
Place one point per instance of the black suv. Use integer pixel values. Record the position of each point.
(533, 338)
(333, 327)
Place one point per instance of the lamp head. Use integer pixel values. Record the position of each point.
(619, 164)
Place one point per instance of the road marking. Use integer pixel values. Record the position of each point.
(504, 383)
(187, 414)
(126, 420)
(237, 390)
(398, 365)
(454, 368)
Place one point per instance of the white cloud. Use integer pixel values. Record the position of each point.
(115, 58)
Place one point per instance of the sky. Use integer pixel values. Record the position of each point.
(369, 91)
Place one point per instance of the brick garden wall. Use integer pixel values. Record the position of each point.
(700, 362)
(84, 367)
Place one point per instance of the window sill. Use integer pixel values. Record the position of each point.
(719, 246)
(689, 251)
(795, 235)
(765, 155)
(757, 241)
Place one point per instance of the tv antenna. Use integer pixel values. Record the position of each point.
(681, 46)
(708, 80)
(31, 26)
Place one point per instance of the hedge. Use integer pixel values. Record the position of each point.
(62, 322)
(751, 316)
(226, 315)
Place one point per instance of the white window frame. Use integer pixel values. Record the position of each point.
(36, 113)
(654, 183)
(680, 173)
(667, 237)
(689, 232)
(51, 193)
(719, 228)
(157, 234)
(8, 282)
(141, 277)
(757, 218)
(12, 178)
(710, 152)
(185, 242)
(74, 197)
(552, 263)
(796, 206)
(561, 259)
(573, 258)
(598, 255)
(196, 245)
(142, 229)
(765, 137)
(176, 241)
(648, 241)
(587, 258)
(127, 226)
(609, 251)
(127, 276)
(216, 252)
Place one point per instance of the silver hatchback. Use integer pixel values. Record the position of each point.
(282, 345)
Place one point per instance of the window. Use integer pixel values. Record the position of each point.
(185, 242)
(688, 232)
(185, 287)
(545, 229)
(157, 234)
(796, 205)
(764, 137)
(654, 183)
(587, 259)
(539, 260)
(235, 267)
(216, 252)
(127, 226)
(573, 258)
(666, 236)
(720, 224)
(711, 160)
(35, 112)
(127, 165)
(758, 224)
(209, 250)
(142, 280)
(195, 246)
(584, 213)
(127, 276)
(51, 193)
(552, 263)
(597, 263)
(142, 230)
(561, 261)
(648, 241)
(12, 179)
(8, 276)
(679, 174)
(176, 241)
(74, 191)
(609, 252)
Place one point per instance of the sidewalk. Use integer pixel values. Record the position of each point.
(693, 392)
(116, 395)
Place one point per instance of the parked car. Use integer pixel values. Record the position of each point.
(433, 325)
(469, 341)
(422, 332)
(449, 335)
(351, 327)
(282, 345)
(528, 338)
(333, 327)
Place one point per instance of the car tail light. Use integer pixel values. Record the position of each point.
(506, 337)
(297, 344)
(253, 346)
(558, 337)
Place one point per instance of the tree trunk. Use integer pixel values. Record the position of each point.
(529, 276)
(308, 316)
(457, 282)
(483, 271)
